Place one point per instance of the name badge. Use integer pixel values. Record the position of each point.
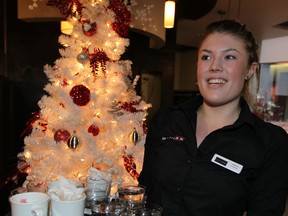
(226, 163)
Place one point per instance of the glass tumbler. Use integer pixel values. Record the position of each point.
(146, 209)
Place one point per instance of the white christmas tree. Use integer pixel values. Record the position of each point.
(91, 116)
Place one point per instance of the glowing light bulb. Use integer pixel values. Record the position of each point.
(169, 14)
(27, 154)
(66, 27)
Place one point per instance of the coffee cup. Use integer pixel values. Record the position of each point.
(29, 204)
(67, 207)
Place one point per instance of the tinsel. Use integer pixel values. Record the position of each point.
(62, 105)
(66, 7)
(29, 125)
(130, 106)
(122, 19)
(130, 166)
(17, 176)
(144, 126)
(99, 57)
(64, 82)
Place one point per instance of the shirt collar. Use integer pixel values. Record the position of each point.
(191, 106)
(246, 115)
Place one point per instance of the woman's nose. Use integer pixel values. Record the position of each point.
(216, 65)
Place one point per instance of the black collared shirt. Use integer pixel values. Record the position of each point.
(184, 181)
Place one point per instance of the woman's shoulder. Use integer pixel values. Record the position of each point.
(267, 125)
(270, 132)
(167, 112)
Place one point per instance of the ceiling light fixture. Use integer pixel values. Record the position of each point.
(169, 14)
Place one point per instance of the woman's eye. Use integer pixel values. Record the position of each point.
(205, 57)
(230, 57)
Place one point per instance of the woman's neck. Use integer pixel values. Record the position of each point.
(226, 114)
(212, 118)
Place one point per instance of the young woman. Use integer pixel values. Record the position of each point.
(211, 156)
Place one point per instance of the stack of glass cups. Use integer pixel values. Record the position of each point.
(98, 198)
(136, 205)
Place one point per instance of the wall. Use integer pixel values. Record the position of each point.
(274, 50)
(185, 71)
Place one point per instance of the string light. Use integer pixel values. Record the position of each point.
(27, 155)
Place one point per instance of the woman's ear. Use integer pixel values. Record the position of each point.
(252, 70)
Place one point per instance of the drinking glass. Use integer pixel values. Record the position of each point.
(114, 207)
(146, 209)
(133, 195)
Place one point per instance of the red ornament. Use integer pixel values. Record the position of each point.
(130, 166)
(89, 29)
(80, 95)
(61, 135)
(94, 130)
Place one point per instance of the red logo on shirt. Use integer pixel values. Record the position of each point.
(174, 138)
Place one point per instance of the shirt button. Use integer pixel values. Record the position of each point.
(188, 161)
(178, 189)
